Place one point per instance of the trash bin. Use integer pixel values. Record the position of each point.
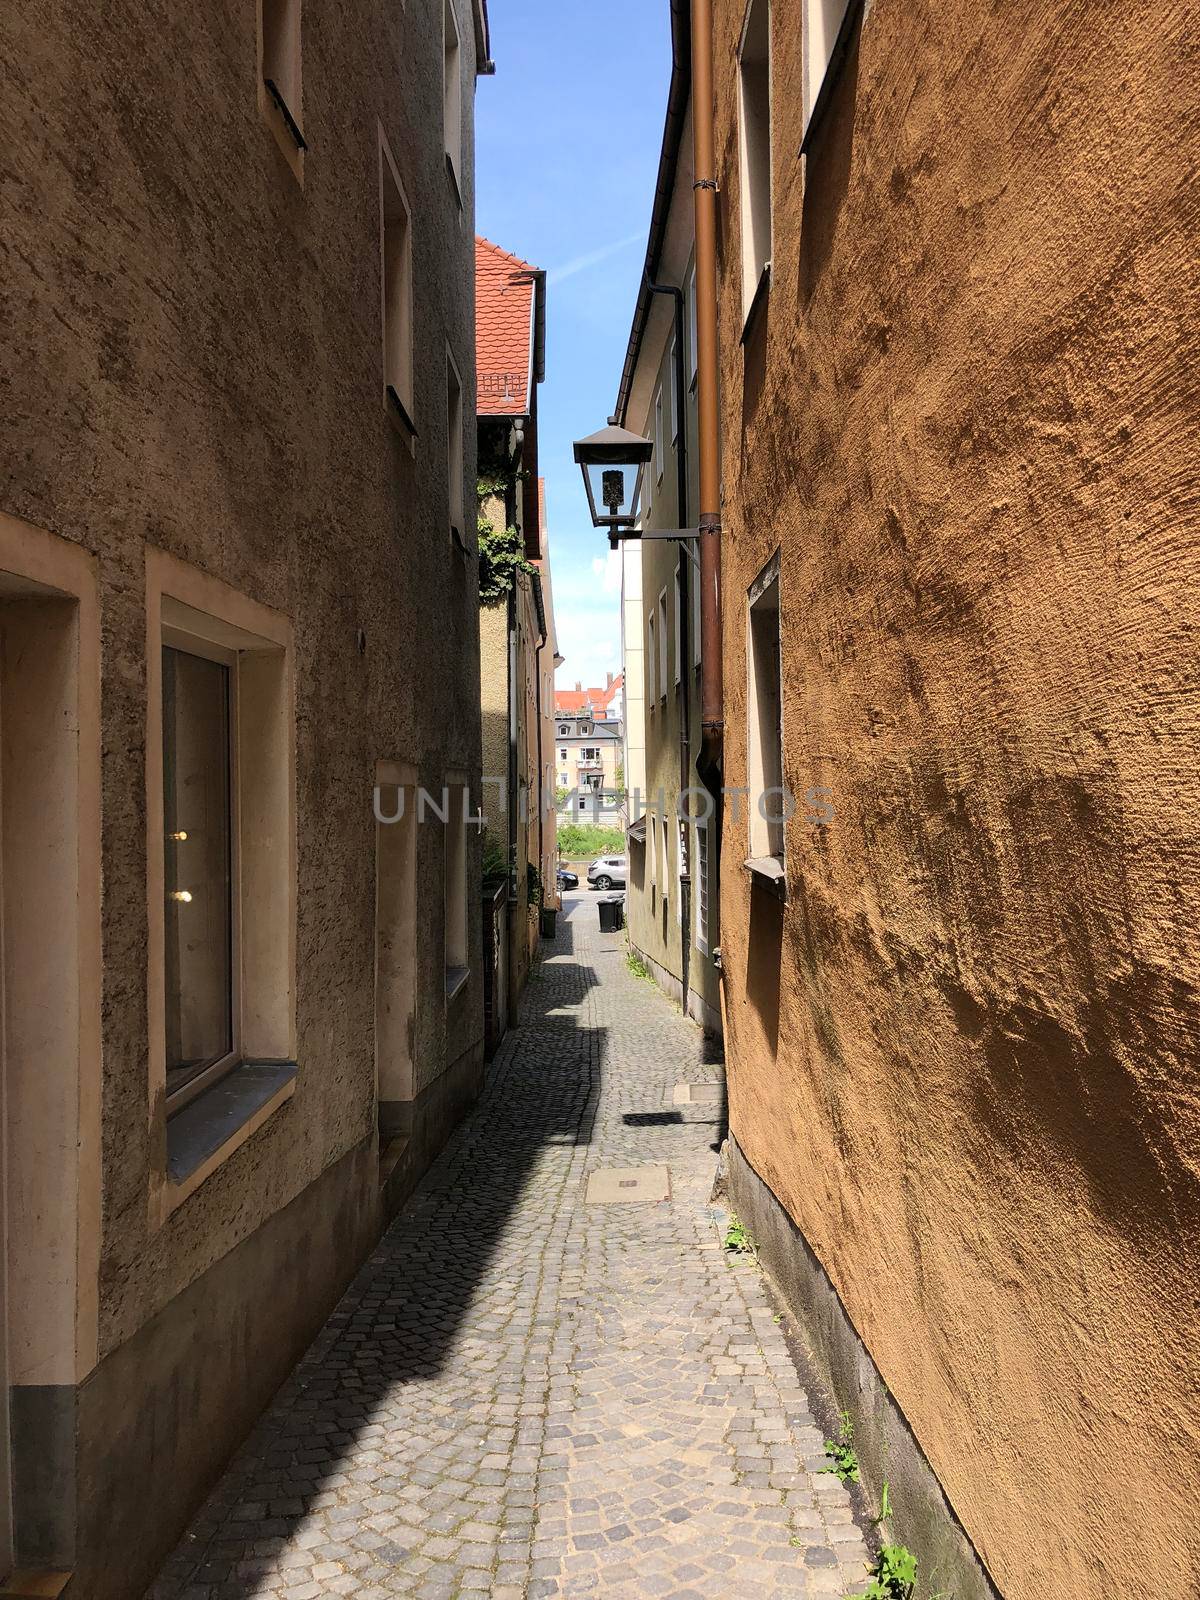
(549, 919)
(612, 914)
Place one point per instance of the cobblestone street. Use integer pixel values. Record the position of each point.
(527, 1393)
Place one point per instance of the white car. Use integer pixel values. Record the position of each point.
(607, 871)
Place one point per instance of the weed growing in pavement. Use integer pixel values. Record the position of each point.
(637, 966)
(737, 1240)
(843, 1458)
(893, 1576)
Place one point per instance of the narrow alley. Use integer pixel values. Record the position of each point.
(527, 1392)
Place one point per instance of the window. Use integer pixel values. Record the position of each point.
(651, 660)
(562, 755)
(454, 449)
(279, 57)
(695, 594)
(765, 726)
(396, 227)
(700, 886)
(652, 835)
(821, 27)
(200, 910)
(585, 727)
(693, 335)
(666, 861)
(674, 395)
(563, 730)
(663, 643)
(455, 884)
(589, 753)
(754, 127)
(658, 437)
(396, 938)
(452, 94)
(679, 617)
(220, 854)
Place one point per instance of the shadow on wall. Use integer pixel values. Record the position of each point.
(407, 1306)
(827, 174)
(763, 961)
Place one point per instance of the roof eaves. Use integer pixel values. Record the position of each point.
(677, 103)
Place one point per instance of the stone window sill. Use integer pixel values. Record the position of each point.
(768, 871)
(208, 1131)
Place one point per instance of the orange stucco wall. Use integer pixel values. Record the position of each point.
(965, 1055)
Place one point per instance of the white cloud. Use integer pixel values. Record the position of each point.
(608, 569)
(591, 258)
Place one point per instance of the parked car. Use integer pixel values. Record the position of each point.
(607, 871)
(567, 879)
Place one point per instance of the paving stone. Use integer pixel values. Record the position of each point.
(524, 1394)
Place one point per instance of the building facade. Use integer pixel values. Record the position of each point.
(672, 902)
(589, 749)
(518, 646)
(960, 561)
(241, 1012)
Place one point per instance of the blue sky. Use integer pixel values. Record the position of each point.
(568, 134)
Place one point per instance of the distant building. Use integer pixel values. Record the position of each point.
(589, 747)
(518, 652)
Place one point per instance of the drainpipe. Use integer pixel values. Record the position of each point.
(711, 762)
(679, 378)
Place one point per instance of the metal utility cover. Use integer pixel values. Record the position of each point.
(612, 1185)
(692, 1094)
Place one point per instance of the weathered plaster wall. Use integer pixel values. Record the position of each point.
(965, 1057)
(192, 358)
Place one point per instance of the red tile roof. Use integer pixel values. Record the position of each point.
(597, 698)
(504, 330)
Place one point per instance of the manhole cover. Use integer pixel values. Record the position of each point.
(694, 1094)
(613, 1184)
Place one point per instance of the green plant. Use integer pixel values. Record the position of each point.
(637, 966)
(533, 888)
(501, 558)
(576, 841)
(885, 1508)
(737, 1240)
(893, 1575)
(495, 858)
(561, 795)
(843, 1458)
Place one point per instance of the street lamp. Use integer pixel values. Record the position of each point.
(613, 463)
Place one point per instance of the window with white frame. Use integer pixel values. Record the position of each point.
(679, 618)
(700, 886)
(666, 860)
(765, 718)
(279, 46)
(452, 92)
(663, 644)
(658, 437)
(651, 660)
(396, 229)
(754, 149)
(673, 386)
(454, 448)
(693, 345)
(820, 31)
(652, 839)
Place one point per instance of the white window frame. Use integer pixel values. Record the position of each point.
(651, 658)
(755, 165)
(396, 292)
(452, 96)
(672, 387)
(663, 643)
(678, 625)
(700, 886)
(765, 764)
(820, 30)
(658, 436)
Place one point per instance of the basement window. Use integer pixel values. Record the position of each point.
(754, 141)
(454, 451)
(452, 96)
(766, 801)
(279, 54)
(396, 229)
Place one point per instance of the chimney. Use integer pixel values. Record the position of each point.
(578, 688)
(608, 678)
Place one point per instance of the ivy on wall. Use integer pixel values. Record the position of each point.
(501, 550)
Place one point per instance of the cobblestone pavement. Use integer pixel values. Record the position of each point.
(524, 1394)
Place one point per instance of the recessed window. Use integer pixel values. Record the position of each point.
(452, 93)
(454, 449)
(754, 137)
(693, 335)
(658, 437)
(199, 912)
(666, 861)
(695, 594)
(679, 617)
(700, 882)
(671, 356)
(765, 719)
(821, 27)
(651, 659)
(279, 48)
(396, 229)
(663, 645)
(455, 888)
